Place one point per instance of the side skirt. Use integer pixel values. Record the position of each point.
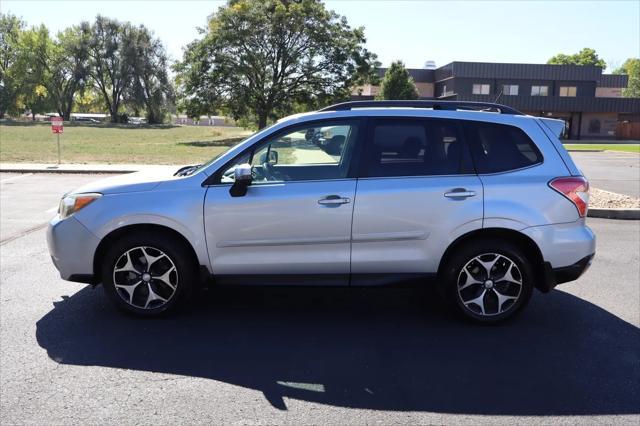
(325, 280)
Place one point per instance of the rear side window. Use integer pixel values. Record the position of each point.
(499, 147)
(415, 147)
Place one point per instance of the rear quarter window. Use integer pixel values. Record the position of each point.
(500, 147)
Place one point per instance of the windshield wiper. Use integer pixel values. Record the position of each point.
(187, 170)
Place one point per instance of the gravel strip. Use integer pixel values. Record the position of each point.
(601, 199)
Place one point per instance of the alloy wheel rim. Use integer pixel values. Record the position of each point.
(489, 284)
(145, 277)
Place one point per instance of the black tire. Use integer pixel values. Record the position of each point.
(471, 256)
(154, 244)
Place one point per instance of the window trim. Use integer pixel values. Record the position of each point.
(214, 178)
(368, 136)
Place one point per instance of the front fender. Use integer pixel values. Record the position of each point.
(177, 209)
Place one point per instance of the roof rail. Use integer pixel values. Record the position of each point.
(435, 104)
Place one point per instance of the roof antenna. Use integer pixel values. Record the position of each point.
(498, 97)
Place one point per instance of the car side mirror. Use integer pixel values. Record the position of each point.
(242, 179)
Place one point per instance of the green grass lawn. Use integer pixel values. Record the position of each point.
(609, 147)
(107, 143)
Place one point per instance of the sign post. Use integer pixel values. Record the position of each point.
(57, 127)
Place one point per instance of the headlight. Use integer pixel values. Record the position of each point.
(72, 203)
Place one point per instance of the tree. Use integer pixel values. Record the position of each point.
(88, 100)
(397, 84)
(150, 86)
(586, 56)
(111, 57)
(631, 67)
(259, 57)
(32, 93)
(10, 30)
(66, 64)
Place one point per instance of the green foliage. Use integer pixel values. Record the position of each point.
(124, 65)
(150, 87)
(11, 29)
(397, 84)
(67, 65)
(629, 147)
(631, 67)
(111, 60)
(87, 100)
(261, 57)
(586, 56)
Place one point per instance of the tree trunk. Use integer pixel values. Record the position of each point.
(114, 114)
(33, 116)
(262, 120)
(66, 116)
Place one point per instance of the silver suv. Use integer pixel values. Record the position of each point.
(480, 198)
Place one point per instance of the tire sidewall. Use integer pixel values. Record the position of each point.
(460, 259)
(172, 248)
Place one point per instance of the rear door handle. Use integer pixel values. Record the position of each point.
(332, 200)
(459, 193)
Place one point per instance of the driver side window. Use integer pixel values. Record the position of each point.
(314, 151)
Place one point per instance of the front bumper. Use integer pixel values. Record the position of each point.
(72, 247)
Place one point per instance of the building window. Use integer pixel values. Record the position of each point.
(568, 91)
(510, 89)
(480, 89)
(539, 90)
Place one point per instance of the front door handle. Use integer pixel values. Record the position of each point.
(332, 200)
(459, 193)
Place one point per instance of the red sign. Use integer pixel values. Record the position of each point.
(56, 125)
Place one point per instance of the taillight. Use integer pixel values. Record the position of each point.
(576, 189)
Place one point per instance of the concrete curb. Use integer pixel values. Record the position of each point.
(81, 168)
(623, 214)
(65, 171)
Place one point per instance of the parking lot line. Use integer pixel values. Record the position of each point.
(16, 177)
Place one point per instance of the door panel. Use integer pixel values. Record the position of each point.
(417, 195)
(281, 229)
(404, 225)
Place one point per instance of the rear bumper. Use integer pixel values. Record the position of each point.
(573, 272)
(567, 250)
(555, 276)
(72, 247)
(563, 244)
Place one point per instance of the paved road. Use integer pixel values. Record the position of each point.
(331, 356)
(612, 171)
(29, 200)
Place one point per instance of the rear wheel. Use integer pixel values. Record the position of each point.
(488, 281)
(148, 274)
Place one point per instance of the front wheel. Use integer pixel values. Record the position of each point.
(147, 274)
(489, 281)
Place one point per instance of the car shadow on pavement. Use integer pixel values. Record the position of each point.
(376, 348)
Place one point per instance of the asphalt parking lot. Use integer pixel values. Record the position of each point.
(330, 356)
(612, 171)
